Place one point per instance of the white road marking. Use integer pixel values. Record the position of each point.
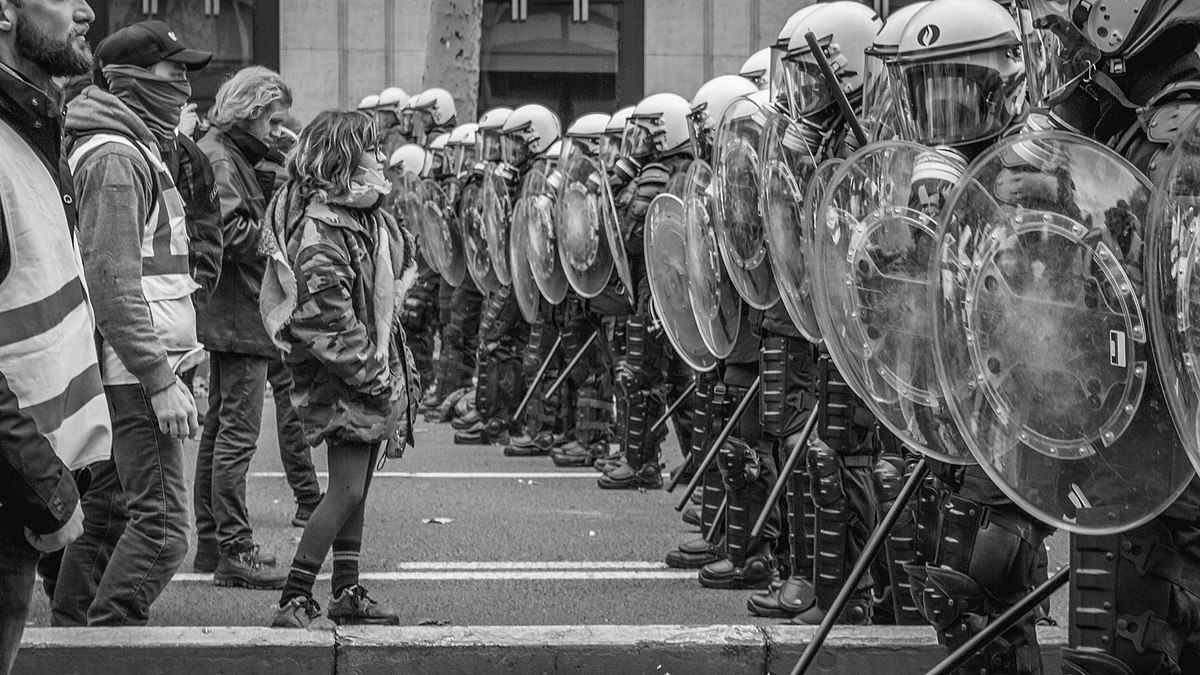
(451, 474)
(501, 575)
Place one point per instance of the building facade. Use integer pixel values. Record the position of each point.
(575, 56)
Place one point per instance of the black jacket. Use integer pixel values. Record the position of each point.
(231, 322)
(193, 176)
(36, 489)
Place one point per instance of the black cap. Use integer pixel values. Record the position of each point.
(145, 44)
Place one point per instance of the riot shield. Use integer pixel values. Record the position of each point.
(715, 303)
(441, 236)
(585, 254)
(666, 256)
(1173, 291)
(524, 288)
(787, 170)
(1040, 335)
(543, 241)
(495, 207)
(736, 214)
(475, 249)
(870, 272)
(410, 204)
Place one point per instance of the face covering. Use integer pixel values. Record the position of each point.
(367, 189)
(155, 99)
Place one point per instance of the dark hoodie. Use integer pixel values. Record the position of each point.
(116, 189)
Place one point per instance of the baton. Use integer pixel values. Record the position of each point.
(541, 374)
(691, 388)
(831, 81)
(570, 366)
(726, 432)
(865, 559)
(788, 467)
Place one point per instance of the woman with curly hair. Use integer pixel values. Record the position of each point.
(339, 269)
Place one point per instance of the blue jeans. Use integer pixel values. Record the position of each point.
(152, 526)
(235, 402)
(18, 569)
(85, 559)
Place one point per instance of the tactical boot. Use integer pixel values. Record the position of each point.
(624, 477)
(430, 401)
(353, 607)
(248, 569)
(691, 515)
(608, 461)
(572, 454)
(856, 613)
(694, 554)
(783, 601)
(538, 446)
(467, 420)
(496, 431)
(476, 434)
(757, 572)
(445, 410)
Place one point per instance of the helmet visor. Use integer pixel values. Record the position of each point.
(585, 146)
(405, 118)
(1057, 55)
(879, 101)
(515, 145)
(491, 145)
(807, 91)
(610, 148)
(639, 139)
(959, 98)
(439, 163)
(776, 84)
(422, 125)
(700, 129)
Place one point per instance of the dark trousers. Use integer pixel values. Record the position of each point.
(235, 402)
(18, 568)
(294, 451)
(135, 522)
(85, 559)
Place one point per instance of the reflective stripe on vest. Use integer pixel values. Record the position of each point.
(47, 351)
(165, 272)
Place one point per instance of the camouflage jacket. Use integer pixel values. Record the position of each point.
(343, 389)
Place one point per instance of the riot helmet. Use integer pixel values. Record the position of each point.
(528, 134)
(388, 105)
(368, 103)
(461, 148)
(491, 126)
(392, 97)
(958, 73)
(709, 104)
(410, 158)
(779, 50)
(757, 68)
(844, 30)
(657, 128)
(879, 101)
(583, 135)
(432, 110)
(614, 136)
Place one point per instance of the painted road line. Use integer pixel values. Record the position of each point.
(502, 575)
(448, 474)
(537, 565)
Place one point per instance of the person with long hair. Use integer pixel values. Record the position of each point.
(331, 299)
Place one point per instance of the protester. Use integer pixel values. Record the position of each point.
(331, 300)
(248, 113)
(52, 412)
(133, 236)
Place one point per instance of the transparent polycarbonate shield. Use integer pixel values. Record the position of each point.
(1041, 339)
(496, 210)
(813, 195)
(524, 288)
(1173, 282)
(543, 244)
(715, 303)
(435, 237)
(440, 209)
(582, 247)
(666, 246)
(870, 272)
(787, 168)
(475, 250)
(410, 204)
(736, 213)
(616, 241)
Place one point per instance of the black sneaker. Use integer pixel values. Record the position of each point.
(353, 607)
(249, 570)
(301, 612)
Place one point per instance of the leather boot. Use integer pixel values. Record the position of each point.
(757, 572)
(694, 554)
(476, 434)
(625, 477)
(468, 420)
(783, 601)
(572, 454)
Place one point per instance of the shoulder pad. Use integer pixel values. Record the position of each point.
(1163, 122)
(654, 174)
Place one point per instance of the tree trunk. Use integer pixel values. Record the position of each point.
(452, 53)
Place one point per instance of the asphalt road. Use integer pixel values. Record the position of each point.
(520, 542)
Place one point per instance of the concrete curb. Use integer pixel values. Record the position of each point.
(434, 650)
